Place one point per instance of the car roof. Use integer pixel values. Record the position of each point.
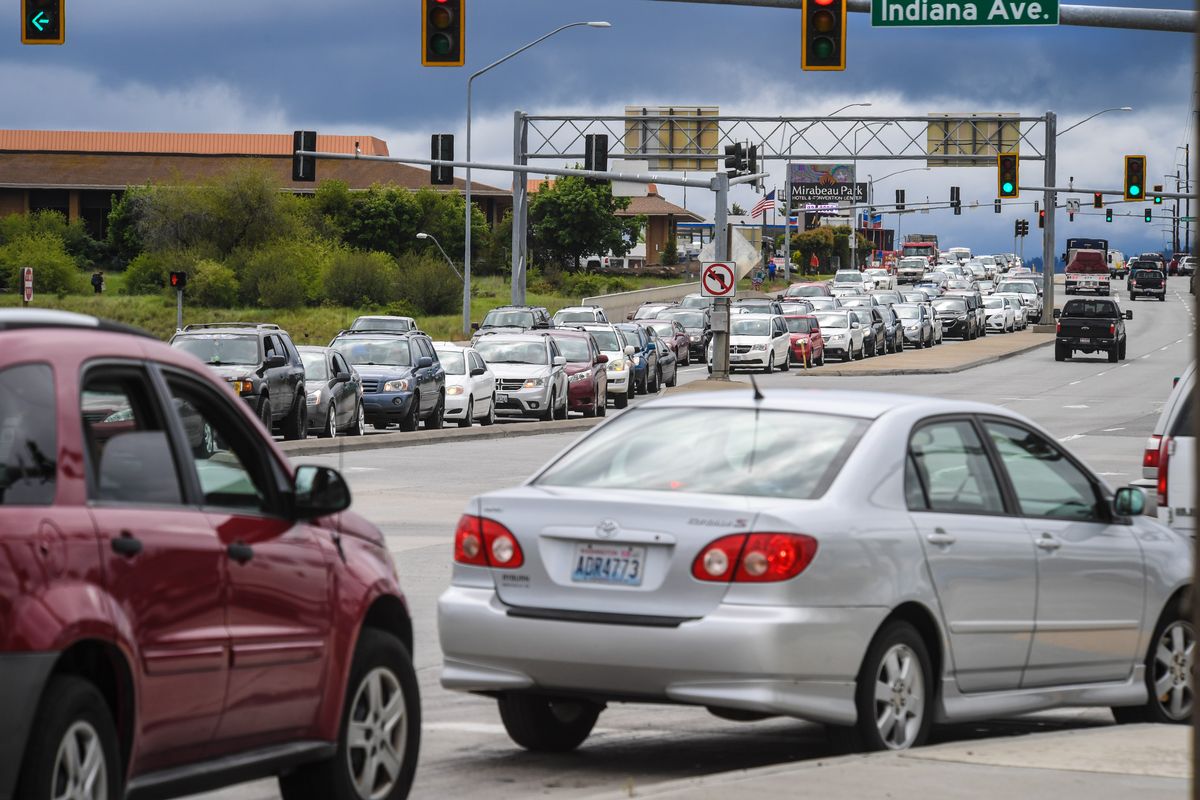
(382, 316)
(867, 405)
(515, 337)
(24, 318)
(313, 348)
(449, 346)
(570, 333)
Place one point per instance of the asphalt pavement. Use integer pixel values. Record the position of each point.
(1102, 411)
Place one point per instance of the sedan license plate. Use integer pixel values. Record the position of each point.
(501, 398)
(611, 564)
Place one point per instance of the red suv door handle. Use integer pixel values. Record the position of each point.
(240, 552)
(126, 545)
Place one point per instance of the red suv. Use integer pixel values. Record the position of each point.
(587, 378)
(180, 609)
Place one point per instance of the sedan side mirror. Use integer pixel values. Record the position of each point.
(1129, 314)
(602, 359)
(629, 350)
(318, 492)
(474, 326)
(341, 377)
(1057, 313)
(477, 371)
(855, 325)
(560, 361)
(1129, 502)
(424, 362)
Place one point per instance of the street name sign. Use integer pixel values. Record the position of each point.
(950, 13)
(717, 279)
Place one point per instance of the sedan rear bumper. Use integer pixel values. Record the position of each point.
(800, 662)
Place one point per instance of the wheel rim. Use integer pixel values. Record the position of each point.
(1173, 657)
(362, 420)
(332, 423)
(80, 771)
(899, 697)
(377, 734)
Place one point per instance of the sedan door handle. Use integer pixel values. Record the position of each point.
(940, 537)
(126, 545)
(240, 552)
(1048, 542)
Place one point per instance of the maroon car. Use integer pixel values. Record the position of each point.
(808, 289)
(180, 607)
(676, 337)
(587, 377)
(805, 331)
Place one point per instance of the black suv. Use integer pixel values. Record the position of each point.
(262, 366)
(515, 319)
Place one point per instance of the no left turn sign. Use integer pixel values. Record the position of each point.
(717, 279)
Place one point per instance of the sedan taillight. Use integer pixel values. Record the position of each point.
(755, 558)
(483, 542)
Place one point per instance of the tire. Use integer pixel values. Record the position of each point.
(382, 660)
(621, 400)
(1174, 675)
(295, 427)
(490, 419)
(546, 725)
(71, 710)
(264, 414)
(657, 385)
(358, 427)
(899, 662)
(564, 411)
(602, 407)
(675, 377)
(437, 417)
(548, 413)
(590, 411)
(821, 361)
(1132, 296)
(786, 367)
(687, 357)
(1060, 353)
(408, 423)
(1114, 354)
(329, 429)
(469, 419)
(770, 370)
(1121, 351)
(641, 388)
(1162, 298)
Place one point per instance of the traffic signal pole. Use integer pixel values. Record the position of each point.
(720, 317)
(1048, 234)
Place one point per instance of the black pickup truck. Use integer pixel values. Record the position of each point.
(1091, 326)
(1146, 279)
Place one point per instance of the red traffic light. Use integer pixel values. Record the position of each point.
(178, 280)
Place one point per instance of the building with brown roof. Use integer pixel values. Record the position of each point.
(79, 173)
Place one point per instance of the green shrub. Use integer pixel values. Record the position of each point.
(428, 285)
(358, 279)
(212, 285)
(147, 273)
(54, 271)
(283, 273)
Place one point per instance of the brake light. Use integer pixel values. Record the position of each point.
(755, 558)
(1058, 327)
(1112, 329)
(1150, 456)
(483, 542)
(1164, 461)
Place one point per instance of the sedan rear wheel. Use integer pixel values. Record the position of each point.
(895, 691)
(466, 421)
(547, 725)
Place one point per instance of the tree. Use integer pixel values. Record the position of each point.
(817, 242)
(670, 252)
(737, 211)
(574, 217)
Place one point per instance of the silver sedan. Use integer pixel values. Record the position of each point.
(874, 562)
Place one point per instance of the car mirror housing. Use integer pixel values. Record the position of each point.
(629, 350)
(474, 326)
(274, 362)
(1128, 313)
(1129, 501)
(342, 377)
(318, 492)
(601, 359)
(560, 361)
(424, 361)
(477, 371)
(1057, 313)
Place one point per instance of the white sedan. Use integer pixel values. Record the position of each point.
(998, 311)
(470, 385)
(883, 278)
(1022, 309)
(757, 341)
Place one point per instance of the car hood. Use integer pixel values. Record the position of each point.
(372, 372)
(574, 367)
(349, 523)
(520, 370)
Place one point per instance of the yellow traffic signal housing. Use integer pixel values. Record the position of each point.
(1008, 175)
(823, 40)
(443, 33)
(1135, 177)
(43, 21)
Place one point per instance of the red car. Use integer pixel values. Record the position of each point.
(180, 607)
(806, 335)
(810, 289)
(676, 337)
(587, 377)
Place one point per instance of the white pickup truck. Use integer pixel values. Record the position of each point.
(1170, 458)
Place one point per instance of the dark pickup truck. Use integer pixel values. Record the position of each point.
(1090, 326)
(1145, 278)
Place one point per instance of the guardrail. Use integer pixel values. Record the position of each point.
(620, 304)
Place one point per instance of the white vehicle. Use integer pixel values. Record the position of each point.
(844, 336)
(620, 367)
(1117, 266)
(911, 269)
(1170, 458)
(1022, 310)
(989, 264)
(999, 313)
(976, 270)
(470, 385)
(853, 278)
(578, 315)
(959, 253)
(882, 278)
(1025, 288)
(847, 291)
(759, 341)
(529, 373)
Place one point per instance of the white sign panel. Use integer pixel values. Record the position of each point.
(626, 188)
(717, 279)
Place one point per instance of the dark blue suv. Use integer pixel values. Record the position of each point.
(402, 380)
(647, 375)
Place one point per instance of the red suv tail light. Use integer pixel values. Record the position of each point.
(1150, 456)
(483, 542)
(755, 558)
(1164, 464)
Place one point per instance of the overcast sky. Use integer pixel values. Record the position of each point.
(354, 67)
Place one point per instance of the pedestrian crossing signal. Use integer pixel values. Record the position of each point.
(178, 280)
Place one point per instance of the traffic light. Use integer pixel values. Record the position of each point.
(304, 168)
(823, 44)
(1024, 227)
(443, 26)
(1098, 200)
(178, 280)
(595, 152)
(1042, 219)
(441, 148)
(1108, 215)
(1008, 175)
(899, 199)
(955, 200)
(996, 206)
(1016, 227)
(736, 161)
(43, 21)
(1158, 194)
(1135, 177)
(752, 160)
(1149, 214)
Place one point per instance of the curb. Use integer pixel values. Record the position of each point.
(875, 373)
(314, 447)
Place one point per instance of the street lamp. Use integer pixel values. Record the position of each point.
(1093, 116)
(854, 192)
(467, 191)
(787, 177)
(871, 188)
(432, 238)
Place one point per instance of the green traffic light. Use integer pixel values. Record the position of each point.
(1135, 190)
(823, 47)
(1008, 187)
(440, 44)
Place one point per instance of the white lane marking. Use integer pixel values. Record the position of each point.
(1111, 474)
(1123, 366)
(1110, 430)
(1072, 437)
(1074, 406)
(1074, 382)
(1098, 374)
(1145, 356)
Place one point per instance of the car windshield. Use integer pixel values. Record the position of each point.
(696, 301)
(508, 319)
(825, 303)
(804, 291)
(752, 307)
(315, 368)
(574, 316)
(220, 349)
(993, 302)
(915, 297)
(750, 327)
(501, 352)
(1095, 309)
(1021, 287)
(631, 338)
(949, 304)
(664, 329)
(795, 308)
(833, 320)
(936, 277)
(648, 312)
(907, 312)
(574, 348)
(382, 324)
(801, 324)
(847, 276)
(741, 454)
(605, 340)
(857, 302)
(1147, 273)
(375, 352)
(688, 319)
(453, 361)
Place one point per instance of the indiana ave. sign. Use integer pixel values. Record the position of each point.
(934, 13)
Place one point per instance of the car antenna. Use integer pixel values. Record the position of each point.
(758, 395)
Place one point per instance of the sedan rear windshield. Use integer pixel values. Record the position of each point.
(220, 348)
(575, 316)
(804, 291)
(907, 312)
(741, 453)
(688, 319)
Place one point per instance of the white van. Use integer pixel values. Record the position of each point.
(1117, 267)
(960, 254)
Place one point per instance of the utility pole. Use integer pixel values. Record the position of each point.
(720, 317)
(1048, 233)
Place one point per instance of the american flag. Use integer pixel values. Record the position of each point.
(764, 205)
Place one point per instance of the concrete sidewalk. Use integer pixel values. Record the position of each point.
(1111, 763)
(939, 360)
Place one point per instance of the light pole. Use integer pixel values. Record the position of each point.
(871, 190)
(787, 182)
(1093, 116)
(433, 239)
(467, 190)
(854, 194)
